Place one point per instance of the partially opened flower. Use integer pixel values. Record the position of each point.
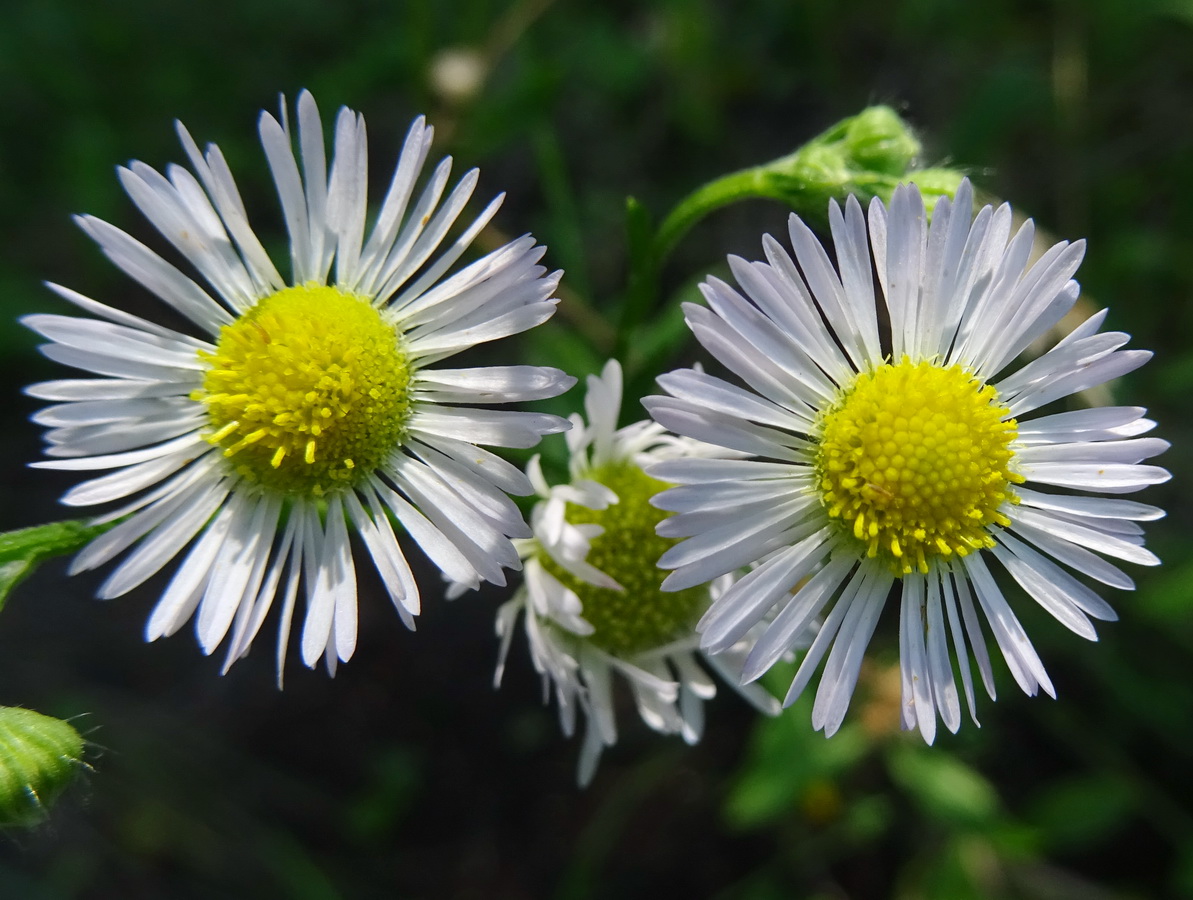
(299, 410)
(890, 446)
(591, 601)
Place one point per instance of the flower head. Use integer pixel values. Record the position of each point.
(591, 600)
(299, 409)
(903, 455)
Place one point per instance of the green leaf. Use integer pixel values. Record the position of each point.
(24, 550)
(642, 277)
(943, 786)
(791, 768)
(1083, 809)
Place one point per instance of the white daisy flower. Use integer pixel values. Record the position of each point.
(889, 447)
(299, 410)
(591, 599)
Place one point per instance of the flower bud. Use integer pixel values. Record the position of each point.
(877, 140)
(39, 757)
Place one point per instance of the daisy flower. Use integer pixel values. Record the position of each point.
(292, 412)
(590, 600)
(891, 445)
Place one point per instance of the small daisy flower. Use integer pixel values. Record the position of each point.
(590, 600)
(892, 446)
(292, 412)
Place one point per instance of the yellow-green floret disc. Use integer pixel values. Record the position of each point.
(642, 617)
(914, 462)
(308, 391)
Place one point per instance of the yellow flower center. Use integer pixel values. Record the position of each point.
(642, 617)
(913, 461)
(308, 391)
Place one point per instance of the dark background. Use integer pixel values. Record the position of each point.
(408, 775)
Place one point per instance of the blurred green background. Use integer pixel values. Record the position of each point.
(408, 776)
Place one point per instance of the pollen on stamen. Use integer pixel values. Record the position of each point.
(308, 391)
(224, 432)
(914, 461)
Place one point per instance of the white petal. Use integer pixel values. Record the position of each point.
(112, 461)
(103, 412)
(1016, 649)
(423, 236)
(851, 243)
(493, 504)
(495, 427)
(393, 208)
(127, 481)
(845, 661)
(182, 594)
(320, 579)
(249, 538)
(746, 603)
(957, 630)
(493, 384)
(1085, 536)
(91, 389)
(973, 627)
(1054, 588)
(779, 291)
(1109, 478)
(344, 626)
(167, 500)
(718, 395)
(486, 548)
(181, 522)
(155, 274)
(711, 553)
(919, 705)
(747, 327)
(1126, 452)
(786, 628)
(110, 339)
(217, 178)
(1084, 561)
(382, 544)
(944, 687)
(1076, 424)
(441, 550)
(707, 471)
(829, 627)
(282, 165)
(724, 431)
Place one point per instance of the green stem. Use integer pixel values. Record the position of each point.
(744, 185)
(24, 550)
(867, 154)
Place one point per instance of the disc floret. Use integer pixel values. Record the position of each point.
(914, 461)
(639, 617)
(308, 391)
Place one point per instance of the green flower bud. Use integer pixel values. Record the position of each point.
(818, 169)
(39, 757)
(867, 155)
(935, 183)
(877, 140)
